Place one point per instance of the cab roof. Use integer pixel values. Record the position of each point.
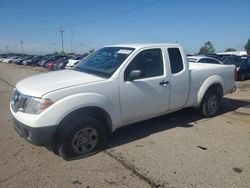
(144, 45)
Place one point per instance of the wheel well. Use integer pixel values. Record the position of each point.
(95, 112)
(217, 87)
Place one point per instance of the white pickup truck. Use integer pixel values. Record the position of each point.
(73, 111)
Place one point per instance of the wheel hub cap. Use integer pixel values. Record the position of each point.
(84, 140)
(212, 103)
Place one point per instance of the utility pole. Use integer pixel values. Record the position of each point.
(61, 31)
(15, 48)
(21, 42)
(71, 35)
(7, 49)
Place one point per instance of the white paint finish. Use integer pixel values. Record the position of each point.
(143, 98)
(179, 83)
(104, 95)
(125, 102)
(202, 76)
(39, 85)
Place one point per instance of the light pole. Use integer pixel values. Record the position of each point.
(61, 31)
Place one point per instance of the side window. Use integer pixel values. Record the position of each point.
(212, 61)
(237, 59)
(203, 60)
(175, 58)
(149, 62)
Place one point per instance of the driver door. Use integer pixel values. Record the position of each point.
(146, 95)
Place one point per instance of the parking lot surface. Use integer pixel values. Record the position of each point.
(181, 149)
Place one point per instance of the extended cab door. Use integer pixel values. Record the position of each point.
(180, 78)
(144, 87)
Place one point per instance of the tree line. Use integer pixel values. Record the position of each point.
(208, 48)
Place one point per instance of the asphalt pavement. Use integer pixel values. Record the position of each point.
(181, 149)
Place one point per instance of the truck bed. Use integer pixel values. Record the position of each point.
(201, 72)
(201, 66)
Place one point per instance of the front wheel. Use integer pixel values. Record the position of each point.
(84, 137)
(210, 103)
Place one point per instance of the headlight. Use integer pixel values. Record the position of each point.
(28, 104)
(237, 68)
(37, 105)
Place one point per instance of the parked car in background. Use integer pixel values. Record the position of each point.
(245, 58)
(2, 57)
(242, 65)
(203, 59)
(43, 60)
(61, 63)
(50, 65)
(246, 64)
(34, 61)
(19, 60)
(27, 61)
(52, 58)
(73, 62)
(9, 59)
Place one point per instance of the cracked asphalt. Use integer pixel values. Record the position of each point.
(176, 150)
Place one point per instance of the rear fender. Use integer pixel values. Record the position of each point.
(210, 81)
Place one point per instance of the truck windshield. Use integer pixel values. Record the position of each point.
(105, 61)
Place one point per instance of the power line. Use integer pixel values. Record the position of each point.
(105, 17)
(94, 20)
(112, 15)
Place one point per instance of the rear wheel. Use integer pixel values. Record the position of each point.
(83, 137)
(210, 103)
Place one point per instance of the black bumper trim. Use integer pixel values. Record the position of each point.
(40, 136)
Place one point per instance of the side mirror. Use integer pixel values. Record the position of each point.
(134, 74)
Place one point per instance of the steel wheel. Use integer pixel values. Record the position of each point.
(84, 137)
(212, 103)
(85, 140)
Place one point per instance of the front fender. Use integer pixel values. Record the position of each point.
(215, 79)
(61, 108)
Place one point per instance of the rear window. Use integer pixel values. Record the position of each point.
(175, 58)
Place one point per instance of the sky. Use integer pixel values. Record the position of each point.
(90, 24)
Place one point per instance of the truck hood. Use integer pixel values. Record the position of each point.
(41, 84)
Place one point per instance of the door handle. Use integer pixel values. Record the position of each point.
(163, 83)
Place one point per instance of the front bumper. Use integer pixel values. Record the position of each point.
(40, 136)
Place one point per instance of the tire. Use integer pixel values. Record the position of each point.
(242, 76)
(84, 137)
(210, 103)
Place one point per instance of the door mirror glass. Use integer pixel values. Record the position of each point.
(134, 74)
